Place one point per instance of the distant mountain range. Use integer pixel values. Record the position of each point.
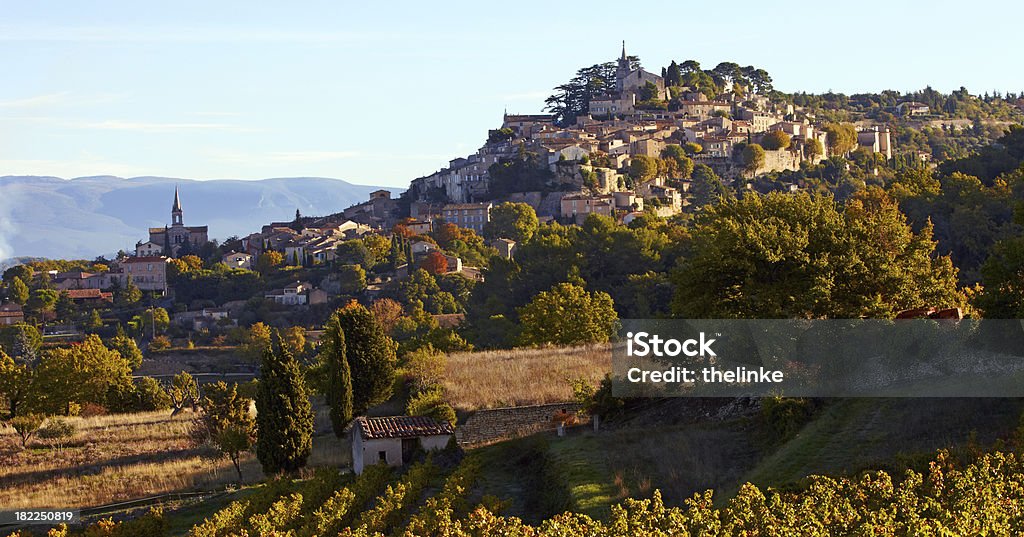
(90, 216)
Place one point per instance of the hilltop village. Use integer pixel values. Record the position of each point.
(620, 142)
(471, 315)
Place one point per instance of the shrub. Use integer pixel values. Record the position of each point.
(58, 431)
(26, 426)
(160, 343)
(426, 367)
(431, 403)
(785, 416)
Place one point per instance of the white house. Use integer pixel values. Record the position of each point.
(148, 249)
(422, 247)
(292, 295)
(238, 260)
(393, 440)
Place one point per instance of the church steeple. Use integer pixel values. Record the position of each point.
(176, 209)
(622, 70)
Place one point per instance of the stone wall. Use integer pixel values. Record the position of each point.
(494, 424)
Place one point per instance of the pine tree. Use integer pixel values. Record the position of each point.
(339, 375)
(18, 291)
(284, 416)
(371, 357)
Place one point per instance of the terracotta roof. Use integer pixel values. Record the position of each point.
(144, 260)
(12, 314)
(402, 427)
(84, 294)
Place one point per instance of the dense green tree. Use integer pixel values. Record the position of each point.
(21, 272)
(42, 301)
(775, 140)
(128, 349)
(15, 382)
(752, 158)
(223, 406)
(284, 416)
(351, 279)
(1002, 275)
(643, 168)
(371, 357)
(511, 220)
(17, 291)
(707, 187)
(129, 294)
(338, 388)
(801, 256)
(841, 137)
(813, 149)
(355, 252)
(21, 341)
(76, 375)
(255, 341)
(683, 164)
(673, 76)
(268, 261)
(568, 315)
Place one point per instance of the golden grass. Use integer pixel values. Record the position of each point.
(123, 457)
(515, 377)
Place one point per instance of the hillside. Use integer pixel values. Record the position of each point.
(90, 216)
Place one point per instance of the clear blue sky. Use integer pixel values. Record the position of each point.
(380, 93)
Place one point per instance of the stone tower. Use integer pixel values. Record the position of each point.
(622, 70)
(176, 216)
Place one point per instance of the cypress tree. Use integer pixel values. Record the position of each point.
(339, 375)
(284, 419)
(371, 357)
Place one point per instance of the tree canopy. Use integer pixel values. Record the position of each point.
(803, 256)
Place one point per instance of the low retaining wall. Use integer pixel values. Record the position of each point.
(490, 425)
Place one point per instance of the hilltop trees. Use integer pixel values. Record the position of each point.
(284, 416)
(371, 357)
(802, 256)
(573, 98)
(338, 390)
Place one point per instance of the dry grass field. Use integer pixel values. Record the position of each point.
(514, 377)
(122, 457)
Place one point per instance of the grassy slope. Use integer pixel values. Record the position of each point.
(589, 472)
(858, 434)
(584, 472)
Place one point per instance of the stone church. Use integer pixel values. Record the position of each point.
(628, 82)
(176, 239)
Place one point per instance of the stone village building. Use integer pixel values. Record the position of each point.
(394, 440)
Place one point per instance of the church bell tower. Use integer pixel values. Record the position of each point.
(176, 218)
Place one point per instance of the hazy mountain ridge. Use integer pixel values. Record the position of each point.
(89, 216)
